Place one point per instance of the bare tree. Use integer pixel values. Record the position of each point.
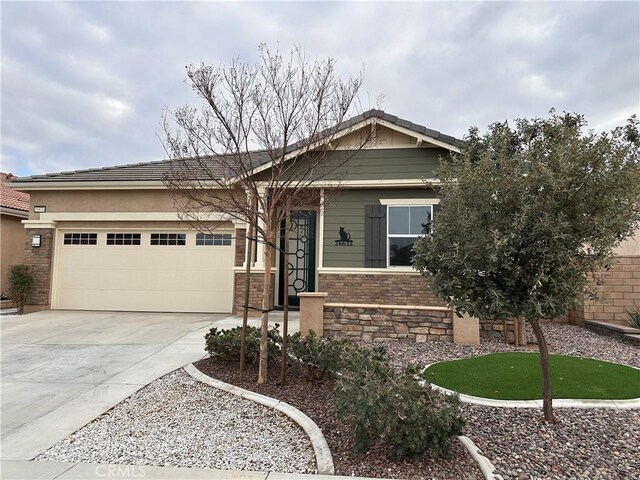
(257, 146)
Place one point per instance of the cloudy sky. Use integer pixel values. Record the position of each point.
(84, 83)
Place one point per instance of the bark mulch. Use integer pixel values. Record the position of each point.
(315, 398)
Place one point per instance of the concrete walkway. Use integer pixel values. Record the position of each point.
(22, 470)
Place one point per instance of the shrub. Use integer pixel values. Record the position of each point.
(383, 405)
(225, 344)
(21, 283)
(321, 356)
(634, 315)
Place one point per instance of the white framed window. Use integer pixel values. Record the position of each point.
(405, 224)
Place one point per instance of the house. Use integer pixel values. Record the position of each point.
(14, 207)
(110, 239)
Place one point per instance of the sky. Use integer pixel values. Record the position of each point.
(84, 84)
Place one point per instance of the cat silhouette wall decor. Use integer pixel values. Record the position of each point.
(345, 238)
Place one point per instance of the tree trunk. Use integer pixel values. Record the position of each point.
(522, 331)
(245, 310)
(547, 405)
(284, 250)
(266, 306)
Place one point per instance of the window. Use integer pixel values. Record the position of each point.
(80, 238)
(213, 239)
(168, 239)
(405, 225)
(123, 239)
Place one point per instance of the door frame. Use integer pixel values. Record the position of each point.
(313, 259)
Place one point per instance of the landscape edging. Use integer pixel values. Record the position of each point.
(324, 460)
(484, 464)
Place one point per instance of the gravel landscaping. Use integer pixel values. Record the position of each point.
(315, 399)
(586, 443)
(179, 422)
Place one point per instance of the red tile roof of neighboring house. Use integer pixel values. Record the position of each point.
(9, 198)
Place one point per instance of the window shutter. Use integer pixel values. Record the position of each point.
(375, 236)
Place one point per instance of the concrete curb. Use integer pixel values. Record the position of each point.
(622, 404)
(324, 459)
(484, 464)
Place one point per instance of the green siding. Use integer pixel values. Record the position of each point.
(382, 164)
(346, 208)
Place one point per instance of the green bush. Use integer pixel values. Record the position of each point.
(634, 315)
(383, 405)
(21, 283)
(322, 356)
(225, 344)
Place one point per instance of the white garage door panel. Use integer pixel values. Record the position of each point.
(144, 277)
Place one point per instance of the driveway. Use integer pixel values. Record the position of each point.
(61, 369)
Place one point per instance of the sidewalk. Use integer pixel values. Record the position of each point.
(23, 470)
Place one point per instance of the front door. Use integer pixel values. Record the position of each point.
(300, 256)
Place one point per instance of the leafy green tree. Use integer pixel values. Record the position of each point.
(529, 217)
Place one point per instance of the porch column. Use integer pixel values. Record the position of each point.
(259, 263)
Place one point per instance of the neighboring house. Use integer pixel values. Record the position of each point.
(112, 240)
(14, 207)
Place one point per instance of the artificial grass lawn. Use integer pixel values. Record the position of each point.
(517, 376)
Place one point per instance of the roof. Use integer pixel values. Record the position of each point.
(9, 198)
(156, 170)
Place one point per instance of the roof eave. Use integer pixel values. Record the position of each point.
(14, 212)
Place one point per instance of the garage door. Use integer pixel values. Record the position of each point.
(153, 271)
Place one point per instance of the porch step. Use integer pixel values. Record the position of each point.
(622, 332)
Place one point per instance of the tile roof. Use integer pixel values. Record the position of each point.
(10, 198)
(156, 170)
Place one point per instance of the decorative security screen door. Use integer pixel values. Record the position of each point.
(301, 258)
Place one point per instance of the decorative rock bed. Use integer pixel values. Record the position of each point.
(178, 421)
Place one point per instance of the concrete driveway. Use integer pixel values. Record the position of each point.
(61, 369)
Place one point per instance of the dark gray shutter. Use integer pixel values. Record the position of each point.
(375, 236)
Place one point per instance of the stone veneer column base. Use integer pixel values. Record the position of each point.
(384, 323)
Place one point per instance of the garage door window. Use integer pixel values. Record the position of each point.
(222, 239)
(123, 239)
(168, 239)
(80, 238)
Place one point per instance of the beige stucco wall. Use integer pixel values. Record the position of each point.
(11, 245)
(102, 201)
(630, 247)
(140, 225)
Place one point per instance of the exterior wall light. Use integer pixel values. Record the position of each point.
(36, 241)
